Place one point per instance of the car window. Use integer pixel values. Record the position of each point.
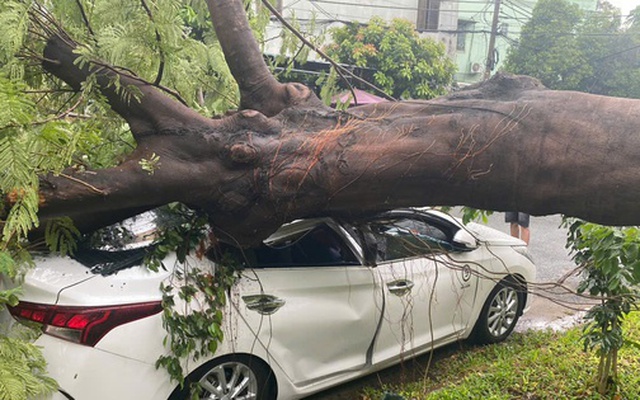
(132, 233)
(316, 246)
(406, 237)
(124, 244)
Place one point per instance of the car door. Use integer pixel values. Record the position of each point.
(428, 296)
(311, 302)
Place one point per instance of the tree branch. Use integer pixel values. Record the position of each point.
(150, 112)
(509, 144)
(85, 19)
(259, 90)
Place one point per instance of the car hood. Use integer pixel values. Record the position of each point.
(492, 237)
(65, 281)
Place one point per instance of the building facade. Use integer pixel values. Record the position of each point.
(464, 26)
(433, 18)
(475, 19)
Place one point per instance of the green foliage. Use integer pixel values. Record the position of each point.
(193, 320)
(548, 49)
(82, 127)
(532, 365)
(123, 33)
(567, 48)
(195, 296)
(45, 127)
(61, 235)
(22, 370)
(18, 178)
(294, 52)
(151, 164)
(471, 214)
(328, 84)
(611, 269)
(408, 66)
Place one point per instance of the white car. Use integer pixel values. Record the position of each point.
(321, 302)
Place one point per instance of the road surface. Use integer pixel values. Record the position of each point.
(553, 307)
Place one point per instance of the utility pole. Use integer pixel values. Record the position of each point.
(492, 41)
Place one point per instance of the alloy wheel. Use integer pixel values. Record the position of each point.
(503, 311)
(229, 381)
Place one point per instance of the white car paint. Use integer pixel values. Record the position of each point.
(336, 323)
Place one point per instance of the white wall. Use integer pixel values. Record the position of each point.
(328, 13)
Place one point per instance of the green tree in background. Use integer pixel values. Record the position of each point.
(548, 48)
(408, 66)
(571, 49)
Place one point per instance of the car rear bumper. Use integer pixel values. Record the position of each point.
(85, 372)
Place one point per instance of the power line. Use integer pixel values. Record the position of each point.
(518, 9)
(521, 9)
(400, 7)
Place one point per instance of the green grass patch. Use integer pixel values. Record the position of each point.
(532, 365)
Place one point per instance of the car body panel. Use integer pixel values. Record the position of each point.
(493, 237)
(335, 314)
(428, 294)
(91, 373)
(315, 325)
(52, 275)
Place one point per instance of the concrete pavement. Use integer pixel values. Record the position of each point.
(552, 306)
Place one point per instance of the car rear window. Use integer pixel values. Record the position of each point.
(124, 244)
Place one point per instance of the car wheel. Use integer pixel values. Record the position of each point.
(230, 378)
(499, 313)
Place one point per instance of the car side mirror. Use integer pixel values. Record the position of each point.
(464, 241)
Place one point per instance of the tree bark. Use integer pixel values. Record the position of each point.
(509, 144)
(259, 90)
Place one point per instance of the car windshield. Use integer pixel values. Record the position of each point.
(132, 233)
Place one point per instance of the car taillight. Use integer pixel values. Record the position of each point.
(84, 325)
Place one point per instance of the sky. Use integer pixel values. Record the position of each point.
(625, 5)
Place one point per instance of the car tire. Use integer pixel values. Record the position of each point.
(248, 376)
(500, 312)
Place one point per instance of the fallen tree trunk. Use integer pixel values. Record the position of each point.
(509, 144)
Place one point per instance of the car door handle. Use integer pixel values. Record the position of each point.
(400, 287)
(264, 304)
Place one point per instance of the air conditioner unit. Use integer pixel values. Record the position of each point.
(476, 68)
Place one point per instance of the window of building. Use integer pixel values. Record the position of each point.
(503, 29)
(464, 27)
(428, 15)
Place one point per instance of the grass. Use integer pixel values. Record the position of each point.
(534, 365)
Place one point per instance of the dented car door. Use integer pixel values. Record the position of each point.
(311, 278)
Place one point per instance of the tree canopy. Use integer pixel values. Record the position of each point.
(407, 66)
(571, 49)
